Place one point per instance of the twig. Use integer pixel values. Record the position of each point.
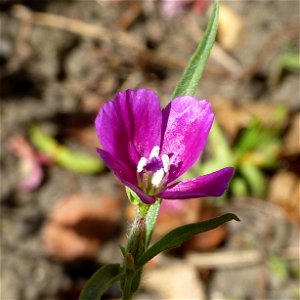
(97, 32)
(76, 27)
(232, 259)
(269, 47)
(129, 15)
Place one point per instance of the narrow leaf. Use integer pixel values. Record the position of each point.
(101, 281)
(239, 187)
(151, 220)
(193, 72)
(219, 146)
(255, 179)
(71, 160)
(179, 235)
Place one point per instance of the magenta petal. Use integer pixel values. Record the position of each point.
(185, 128)
(125, 174)
(121, 169)
(130, 126)
(33, 174)
(210, 185)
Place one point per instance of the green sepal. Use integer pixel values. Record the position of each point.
(176, 237)
(101, 281)
(132, 196)
(193, 72)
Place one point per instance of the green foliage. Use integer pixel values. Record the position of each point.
(290, 60)
(256, 149)
(101, 281)
(176, 237)
(279, 267)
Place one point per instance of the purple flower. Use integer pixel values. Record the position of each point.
(148, 148)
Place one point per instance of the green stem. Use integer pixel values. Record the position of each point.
(127, 288)
(135, 248)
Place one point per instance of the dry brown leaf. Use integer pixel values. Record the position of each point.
(234, 116)
(79, 224)
(284, 190)
(292, 139)
(180, 281)
(264, 110)
(229, 115)
(231, 28)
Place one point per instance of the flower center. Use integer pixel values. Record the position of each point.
(152, 172)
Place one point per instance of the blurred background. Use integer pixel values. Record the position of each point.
(64, 214)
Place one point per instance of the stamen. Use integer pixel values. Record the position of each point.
(154, 152)
(152, 171)
(157, 178)
(166, 162)
(142, 163)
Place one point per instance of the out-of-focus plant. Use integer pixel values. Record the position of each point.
(256, 149)
(65, 157)
(287, 60)
(279, 267)
(290, 60)
(31, 163)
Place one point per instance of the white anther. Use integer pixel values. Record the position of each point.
(154, 152)
(157, 178)
(142, 163)
(166, 162)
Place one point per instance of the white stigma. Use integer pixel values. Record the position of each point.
(154, 152)
(157, 178)
(142, 163)
(166, 162)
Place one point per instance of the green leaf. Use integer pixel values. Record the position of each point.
(278, 266)
(239, 187)
(193, 72)
(151, 220)
(255, 179)
(101, 281)
(78, 162)
(219, 146)
(179, 235)
(291, 61)
(71, 160)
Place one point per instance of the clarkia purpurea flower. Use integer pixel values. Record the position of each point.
(148, 148)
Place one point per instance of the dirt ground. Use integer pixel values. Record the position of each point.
(59, 62)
